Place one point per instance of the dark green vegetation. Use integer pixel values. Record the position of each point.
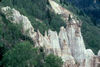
(53, 61)
(25, 55)
(17, 50)
(90, 8)
(39, 10)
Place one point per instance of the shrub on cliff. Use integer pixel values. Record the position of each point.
(25, 55)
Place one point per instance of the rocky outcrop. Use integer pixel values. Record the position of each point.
(15, 17)
(99, 53)
(67, 44)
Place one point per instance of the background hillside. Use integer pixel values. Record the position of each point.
(91, 8)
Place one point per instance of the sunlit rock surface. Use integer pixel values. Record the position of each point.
(15, 17)
(67, 44)
(99, 53)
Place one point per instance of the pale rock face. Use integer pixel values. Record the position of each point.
(15, 17)
(54, 42)
(51, 42)
(58, 9)
(65, 50)
(89, 58)
(55, 5)
(47, 44)
(75, 40)
(67, 44)
(98, 59)
(40, 39)
(99, 53)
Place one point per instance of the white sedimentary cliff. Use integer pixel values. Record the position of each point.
(68, 44)
(15, 17)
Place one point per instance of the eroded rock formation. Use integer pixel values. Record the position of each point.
(68, 44)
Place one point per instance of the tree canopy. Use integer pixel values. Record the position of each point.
(25, 55)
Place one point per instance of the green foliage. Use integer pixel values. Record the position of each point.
(25, 55)
(22, 55)
(40, 9)
(10, 34)
(91, 35)
(55, 21)
(53, 61)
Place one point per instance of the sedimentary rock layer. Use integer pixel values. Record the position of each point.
(67, 44)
